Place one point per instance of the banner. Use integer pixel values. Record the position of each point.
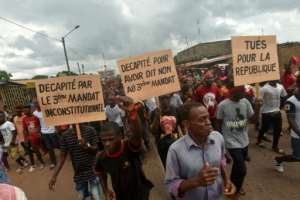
(149, 75)
(255, 59)
(70, 99)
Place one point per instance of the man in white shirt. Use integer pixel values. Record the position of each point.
(151, 104)
(114, 113)
(292, 108)
(271, 94)
(48, 136)
(175, 100)
(8, 132)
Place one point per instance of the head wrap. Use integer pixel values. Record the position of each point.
(168, 123)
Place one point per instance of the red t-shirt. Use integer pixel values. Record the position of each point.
(288, 80)
(209, 97)
(32, 125)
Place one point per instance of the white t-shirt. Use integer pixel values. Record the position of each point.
(44, 129)
(271, 97)
(151, 104)
(176, 100)
(6, 130)
(115, 114)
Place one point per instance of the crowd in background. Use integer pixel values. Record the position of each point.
(208, 117)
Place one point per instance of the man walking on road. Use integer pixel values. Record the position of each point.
(196, 162)
(292, 107)
(83, 157)
(271, 94)
(49, 136)
(233, 115)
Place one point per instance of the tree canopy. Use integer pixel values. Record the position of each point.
(66, 73)
(40, 77)
(5, 76)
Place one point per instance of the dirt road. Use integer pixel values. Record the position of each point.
(262, 181)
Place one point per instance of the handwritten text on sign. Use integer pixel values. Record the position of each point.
(149, 75)
(71, 99)
(254, 59)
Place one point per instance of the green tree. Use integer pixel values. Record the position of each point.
(5, 76)
(39, 77)
(66, 73)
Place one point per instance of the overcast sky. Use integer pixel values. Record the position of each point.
(120, 28)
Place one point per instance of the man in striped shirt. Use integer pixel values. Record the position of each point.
(83, 157)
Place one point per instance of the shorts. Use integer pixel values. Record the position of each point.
(296, 148)
(50, 141)
(89, 188)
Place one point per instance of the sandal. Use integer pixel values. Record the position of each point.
(242, 192)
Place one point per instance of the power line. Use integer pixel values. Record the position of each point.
(29, 29)
(48, 37)
(42, 34)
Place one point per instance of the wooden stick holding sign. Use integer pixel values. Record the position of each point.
(78, 132)
(157, 102)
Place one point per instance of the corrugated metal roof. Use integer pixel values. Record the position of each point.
(3, 83)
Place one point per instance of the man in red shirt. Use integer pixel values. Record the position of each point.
(209, 95)
(32, 133)
(288, 80)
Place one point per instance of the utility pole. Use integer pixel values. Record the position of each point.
(79, 70)
(82, 66)
(64, 45)
(66, 55)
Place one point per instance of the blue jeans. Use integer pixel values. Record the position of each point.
(89, 188)
(3, 176)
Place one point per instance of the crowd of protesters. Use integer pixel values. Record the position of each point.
(196, 132)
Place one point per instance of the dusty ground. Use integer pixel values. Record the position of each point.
(262, 181)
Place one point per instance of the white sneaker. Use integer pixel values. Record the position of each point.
(52, 166)
(26, 164)
(19, 171)
(31, 169)
(279, 167)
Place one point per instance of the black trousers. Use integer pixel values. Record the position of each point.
(271, 119)
(239, 170)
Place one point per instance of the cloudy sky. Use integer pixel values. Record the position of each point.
(119, 28)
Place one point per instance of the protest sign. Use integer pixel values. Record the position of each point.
(71, 99)
(149, 75)
(254, 59)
